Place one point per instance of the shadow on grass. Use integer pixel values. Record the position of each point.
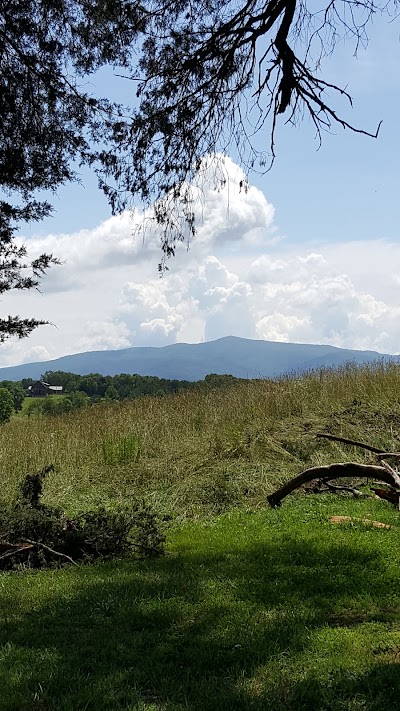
(200, 631)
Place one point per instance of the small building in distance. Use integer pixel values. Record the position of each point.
(42, 389)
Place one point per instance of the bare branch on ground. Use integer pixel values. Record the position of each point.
(328, 472)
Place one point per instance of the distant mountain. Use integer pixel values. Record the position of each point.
(241, 357)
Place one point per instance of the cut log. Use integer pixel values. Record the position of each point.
(337, 471)
(367, 521)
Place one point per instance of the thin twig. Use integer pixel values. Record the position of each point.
(6, 545)
(147, 548)
(389, 468)
(384, 455)
(337, 487)
(51, 550)
(15, 551)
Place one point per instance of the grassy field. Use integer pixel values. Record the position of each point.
(251, 608)
(29, 403)
(276, 610)
(199, 453)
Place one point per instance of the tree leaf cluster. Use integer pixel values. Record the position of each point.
(6, 405)
(216, 78)
(12, 395)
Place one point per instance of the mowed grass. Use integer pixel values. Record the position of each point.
(277, 610)
(251, 608)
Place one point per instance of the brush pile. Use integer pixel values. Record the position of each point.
(35, 535)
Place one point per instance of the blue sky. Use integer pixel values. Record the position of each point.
(311, 254)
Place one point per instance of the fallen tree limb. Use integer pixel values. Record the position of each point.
(39, 544)
(15, 549)
(385, 455)
(338, 487)
(336, 438)
(336, 471)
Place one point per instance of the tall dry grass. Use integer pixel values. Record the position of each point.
(203, 448)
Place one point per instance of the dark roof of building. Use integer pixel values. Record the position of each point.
(56, 388)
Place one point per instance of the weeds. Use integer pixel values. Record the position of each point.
(121, 450)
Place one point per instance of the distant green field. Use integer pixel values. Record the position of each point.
(251, 608)
(27, 403)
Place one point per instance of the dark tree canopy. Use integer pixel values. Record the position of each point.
(208, 77)
(48, 120)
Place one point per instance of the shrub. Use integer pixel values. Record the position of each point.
(6, 405)
(17, 392)
(56, 405)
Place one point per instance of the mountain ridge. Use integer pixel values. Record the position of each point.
(241, 357)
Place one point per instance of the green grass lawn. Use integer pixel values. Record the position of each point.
(274, 610)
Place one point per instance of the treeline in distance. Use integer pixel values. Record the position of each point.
(81, 390)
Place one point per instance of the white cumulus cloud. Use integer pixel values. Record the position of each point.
(238, 278)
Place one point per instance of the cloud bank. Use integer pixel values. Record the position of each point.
(238, 278)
